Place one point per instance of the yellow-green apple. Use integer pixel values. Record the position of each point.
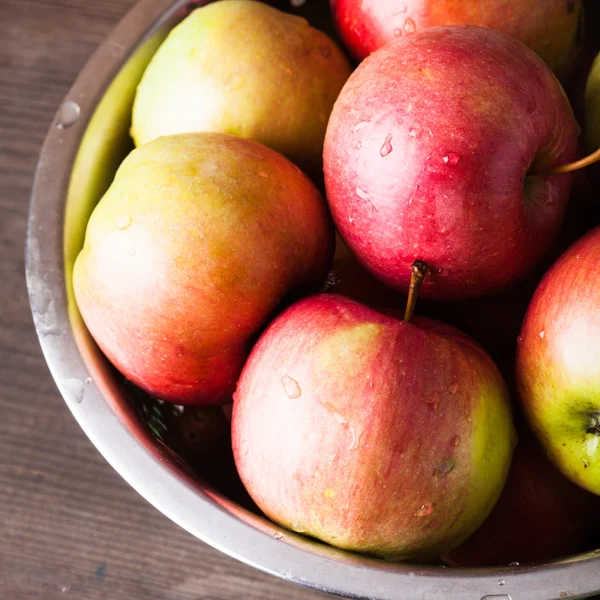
(194, 245)
(371, 433)
(558, 363)
(553, 28)
(245, 68)
(436, 150)
(540, 516)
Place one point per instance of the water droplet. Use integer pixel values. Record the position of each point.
(88, 380)
(542, 334)
(287, 70)
(397, 32)
(359, 145)
(68, 114)
(387, 146)
(351, 219)
(514, 563)
(360, 126)
(291, 387)
(263, 175)
(75, 389)
(519, 339)
(235, 83)
(432, 400)
(451, 159)
(362, 194)
(339, 418)
(444, 467)
(469, 418)
(443, 272)
(400, 10)
(131, 251)
(325, 51)
(455, 441)
(409, 26)
(501, 582)
(355, 438)
(412, 132)
(453, 387)
(123, 222)
(278, 535)
(425, 510)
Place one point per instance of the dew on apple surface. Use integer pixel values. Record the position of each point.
(400, 10)
(410, 26)
(263, 175)
(453, 387)
(412, 132)
(443, 272)
(123, 222)
(387, 148)
(444, 468)
(397, 32)
(425, 510)
(452, 158)
(455, 441)
(362, 194)
(278, 535)
(542, 334)
(339, 418)
(432, 400)
(360, 126)
(291, 387)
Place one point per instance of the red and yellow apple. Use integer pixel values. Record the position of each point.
(552, 28)
(192, 248)
(436, 150)
(373, 434)
(558, 363)
(248, 69)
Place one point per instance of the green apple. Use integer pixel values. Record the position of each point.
(245, 68)
(558, 363)
(189, 252)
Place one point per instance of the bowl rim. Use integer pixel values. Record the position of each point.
(247, 538)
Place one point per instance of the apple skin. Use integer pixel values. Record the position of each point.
(558, 363)
(540, 516)
(248, 69)
(553, 28)
(370, 433)
(426, 156)
(194, 245)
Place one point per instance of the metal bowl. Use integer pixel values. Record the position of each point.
(87, 140)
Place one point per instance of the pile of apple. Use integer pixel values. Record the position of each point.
(215, 268)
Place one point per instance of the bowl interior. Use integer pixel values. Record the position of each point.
(195, 444)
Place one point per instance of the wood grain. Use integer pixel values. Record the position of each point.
(70, 527)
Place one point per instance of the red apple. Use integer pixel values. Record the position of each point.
(558, 363)
(371, 433)
(540, 516)
(189, 252)
(432, 151)
(552, 28)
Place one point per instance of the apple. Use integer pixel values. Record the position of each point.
(553, 28)
(371, 433)
(436, 150)
(540, 516)
(558, 363)
(247, 69)
(192, 248)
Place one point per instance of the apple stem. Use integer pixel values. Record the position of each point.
(419, 271)
(573, 166)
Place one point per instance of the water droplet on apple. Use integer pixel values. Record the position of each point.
(298, 528)
(397, 32)
(514, 563)
(409, 26)
(339, 418)
(362, 194)
(400, 10)
(501, 582)
(291, 387)
(469, 418)
(455, 441)
(542, 334)
(519, 339)
(123, 222)
(278, 535)
(351, 219)
(131, 251)
(360, 126)
(387, 146)
(443, 272)
(451, 159)
(88, 380)
(444, 468)
(453, 387)
(235, 83)
(325, 51)
(263, 175)
(359, 145)
(425, 510)
(412, 132)
(432, 400)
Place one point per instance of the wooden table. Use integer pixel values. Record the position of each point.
(70, 527)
